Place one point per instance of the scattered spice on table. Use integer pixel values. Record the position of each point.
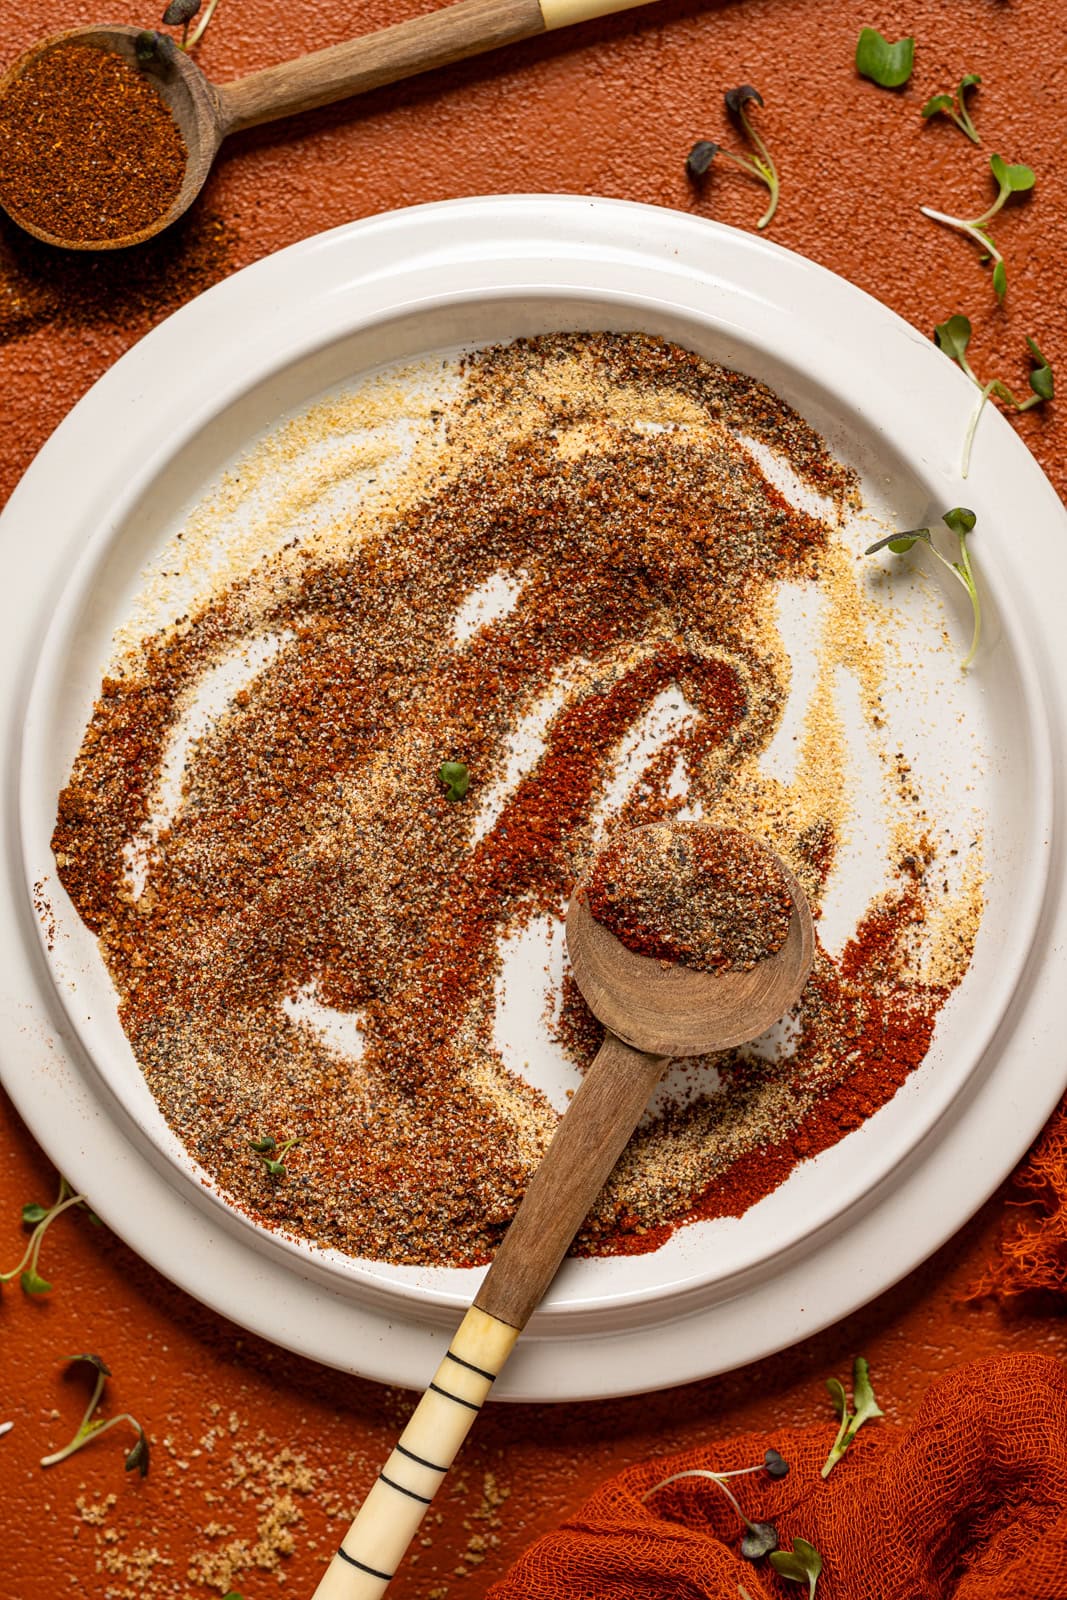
(708, 898)
(88, 149)
(313, 866)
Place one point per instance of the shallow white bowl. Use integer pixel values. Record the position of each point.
(164, 422)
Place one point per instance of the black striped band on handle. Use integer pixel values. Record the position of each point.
(470, 1405)
(422, 1461)
(423, 1499)
(363, 1567)
(470, 1366)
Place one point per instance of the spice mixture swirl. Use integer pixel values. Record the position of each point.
(314, 868)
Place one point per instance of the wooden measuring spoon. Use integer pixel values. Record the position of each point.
(654, 1012)
(206, 112)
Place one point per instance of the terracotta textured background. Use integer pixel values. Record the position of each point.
(268, 1449)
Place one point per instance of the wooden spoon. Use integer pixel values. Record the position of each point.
(206, 112)
(655, 1012)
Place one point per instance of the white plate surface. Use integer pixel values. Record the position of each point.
(114, 481)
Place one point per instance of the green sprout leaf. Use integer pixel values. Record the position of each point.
(759, 1540)
(953, 336)
(955, 106)
(265, 1148)
(91, 1427)
(760, 1537)
(96, 1362)
(1011, 179)
(899, 544)
(699, 159)
(180, 13)
(802, 1564)
(863, 1401)
(456, 779)
(759, 166)
(835, 1386)
(1015, 179)
(1041, 380)
(959, 521)
(150, 47)
(40, 1218)
(888, 65)
(137, 1458)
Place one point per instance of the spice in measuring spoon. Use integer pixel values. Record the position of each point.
(692, 894)
(88, 150)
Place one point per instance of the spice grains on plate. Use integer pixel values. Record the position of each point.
(310, 940)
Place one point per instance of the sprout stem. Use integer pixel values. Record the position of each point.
(200, 27)
(972, 229)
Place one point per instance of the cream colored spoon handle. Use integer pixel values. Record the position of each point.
(585, 1147)
(389, 1517)
(450, 33)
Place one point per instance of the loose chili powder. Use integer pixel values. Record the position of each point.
(707, 898)
(313, 859)
(88, 150)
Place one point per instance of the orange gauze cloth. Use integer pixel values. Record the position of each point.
(1032, 1252)
(970, 1501)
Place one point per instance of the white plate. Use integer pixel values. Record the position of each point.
(157, 429)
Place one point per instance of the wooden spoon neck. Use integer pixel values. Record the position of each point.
(449, 33)
(585, 1147)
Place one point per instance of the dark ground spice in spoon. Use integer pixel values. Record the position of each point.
(88, 150)
(701, 896)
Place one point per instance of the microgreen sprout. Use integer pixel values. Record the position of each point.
(955, 106)
(862, 1392)
(960, 521)
(40, 1219)
(180, 13)
(802, 1564)
(760, 1537)
(1011, 179)
(273, 1154)
(90, 1428)
(759, 166)
(888, 65)
(953, 337)
(456, 779)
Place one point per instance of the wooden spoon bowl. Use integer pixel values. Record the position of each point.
(671, 1010)
(192, 100)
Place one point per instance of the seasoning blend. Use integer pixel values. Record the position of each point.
(691, 894)
(88, 150)
(314, 872)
